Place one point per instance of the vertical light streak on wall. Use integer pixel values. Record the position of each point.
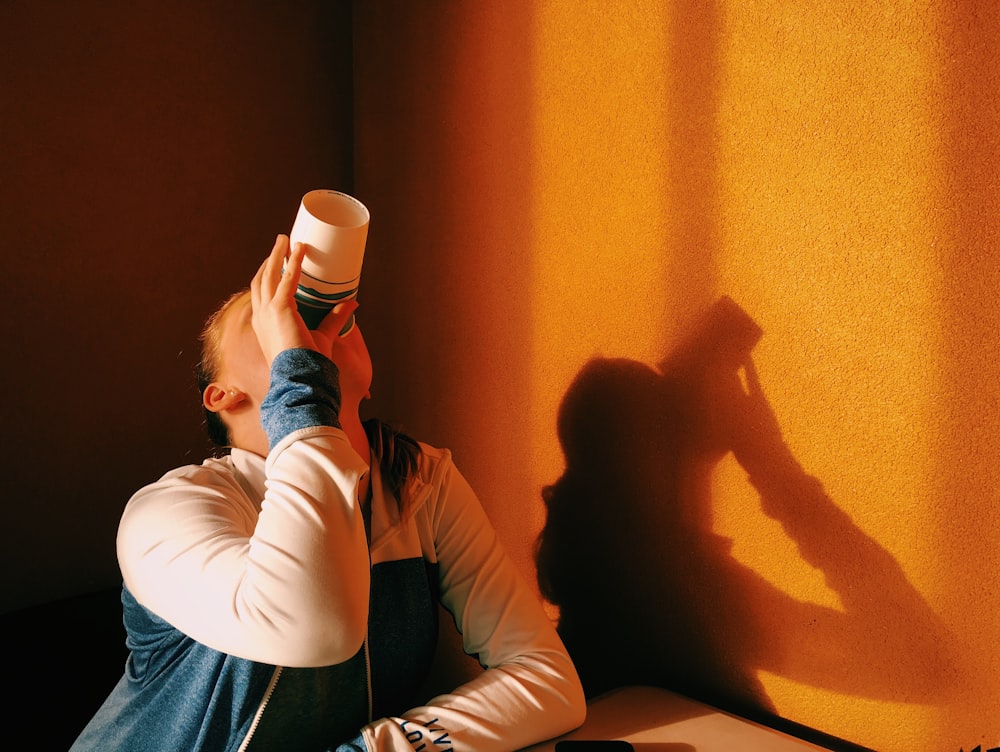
(967, 464)
(830, 157)
(599, 221)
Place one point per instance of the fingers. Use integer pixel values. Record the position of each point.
(270, 270)
(268, 274)
(275, 318)
(278, 275)
(288, 280)
(333, 323)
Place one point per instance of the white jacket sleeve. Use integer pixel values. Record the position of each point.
(530, 690)
(288, 586)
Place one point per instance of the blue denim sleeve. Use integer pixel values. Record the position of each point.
(357, 744)
(304, 392)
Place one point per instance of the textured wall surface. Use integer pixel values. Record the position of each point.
(563, 192)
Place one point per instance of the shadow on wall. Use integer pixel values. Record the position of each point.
(649, 594)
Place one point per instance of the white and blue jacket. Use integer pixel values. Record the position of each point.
(260, 617)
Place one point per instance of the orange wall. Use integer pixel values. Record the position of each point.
(560, 191)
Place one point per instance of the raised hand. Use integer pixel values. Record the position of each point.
(276, 320)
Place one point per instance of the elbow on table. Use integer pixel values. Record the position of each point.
(576, 701)
(568, 705)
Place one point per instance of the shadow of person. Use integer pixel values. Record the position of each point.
(649, 594)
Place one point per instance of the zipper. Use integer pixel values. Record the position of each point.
(367, 513)
(260, 709)
(368, 683)
(368, 662)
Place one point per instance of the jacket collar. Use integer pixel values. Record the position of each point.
(387, 518)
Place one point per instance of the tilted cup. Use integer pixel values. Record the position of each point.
(334, 229)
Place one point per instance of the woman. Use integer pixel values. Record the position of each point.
(284, 596)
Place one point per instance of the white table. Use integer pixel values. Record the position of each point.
(655, 720)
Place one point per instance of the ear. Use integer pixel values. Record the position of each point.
(218, 398)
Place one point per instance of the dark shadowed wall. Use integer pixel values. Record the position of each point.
(149, 153)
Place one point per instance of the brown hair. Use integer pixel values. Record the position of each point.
(398, 454)
(208, 366)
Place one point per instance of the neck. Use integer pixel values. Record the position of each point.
(350, 421)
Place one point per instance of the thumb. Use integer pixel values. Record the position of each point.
(334, 322)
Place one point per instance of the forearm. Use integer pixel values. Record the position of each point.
(530, 690)
(288, 587)
(505, 708)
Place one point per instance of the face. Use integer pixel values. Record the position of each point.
(243, 367)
